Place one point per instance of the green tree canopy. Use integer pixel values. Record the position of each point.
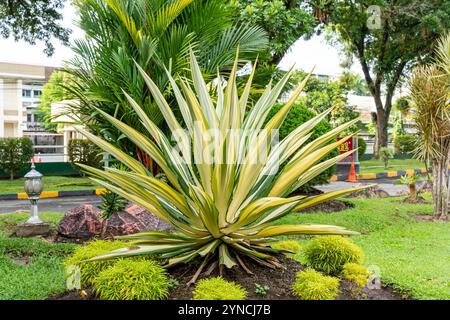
(154, 35)
(284, 21)
(31, 21)
(56, 89)
(388, 38)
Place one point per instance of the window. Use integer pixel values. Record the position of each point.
(37, 93)
(29, 117)
(26, 93)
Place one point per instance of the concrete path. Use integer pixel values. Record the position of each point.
(50, 204)
(392, 189)
(66, 203)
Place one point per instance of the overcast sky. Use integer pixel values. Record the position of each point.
(304, 54)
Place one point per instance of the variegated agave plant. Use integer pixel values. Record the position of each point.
(222, 205)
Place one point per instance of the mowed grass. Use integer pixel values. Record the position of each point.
(373, 166)
(30, 269)
(412, 256)
(51, 183)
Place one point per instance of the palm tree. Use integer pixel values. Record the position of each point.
(429, 87)
(154, 34)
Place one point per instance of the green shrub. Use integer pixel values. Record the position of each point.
(312, 285)
(362, 147)
(85, 152)
(218, 289)
(405, 143)
(355, 273)
(330, 253)
(15, 154)
(290, 245)
(89, 270)
(298, 115)
(132, 280)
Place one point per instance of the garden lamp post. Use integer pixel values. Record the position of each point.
(33, 188)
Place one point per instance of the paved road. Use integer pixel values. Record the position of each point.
(50, 204)
(64, 204)
(385, 184)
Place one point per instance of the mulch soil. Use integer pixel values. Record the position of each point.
(329, 207)
(279, 282)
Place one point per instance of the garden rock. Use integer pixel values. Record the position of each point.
(81, 222)
(86, 222)
(369, 193)
(149, 220)
(133, 219)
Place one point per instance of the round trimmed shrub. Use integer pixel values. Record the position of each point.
(131, 279)
(218, 289)
(290, 245)
(313, 285)
(89, 270)
(355, 273)
(330, 253)
(405, 143)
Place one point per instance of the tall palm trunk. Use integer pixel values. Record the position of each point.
(441, 183)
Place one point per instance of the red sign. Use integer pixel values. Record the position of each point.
(344, 147)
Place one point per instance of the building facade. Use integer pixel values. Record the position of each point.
(20, 91)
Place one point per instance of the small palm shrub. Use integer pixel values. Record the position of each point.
(313, 285)
(218, 289)
(289, 245)
(111, 203)
(89, 270)
(355, 273)
(410, 180)
(221, 201)
(132, 280)
(385, 154)
(331, 253)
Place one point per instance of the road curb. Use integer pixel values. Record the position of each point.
(379, 175)
(54, 194)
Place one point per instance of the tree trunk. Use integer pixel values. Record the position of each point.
(382, 133)
(440, 187)
(11, 175)
(412, 190)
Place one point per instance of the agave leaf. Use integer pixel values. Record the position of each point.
(225, 257)
(223, 204)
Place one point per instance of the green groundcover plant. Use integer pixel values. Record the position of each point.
(355, 273)
(90, 270)
(331, 253)
(220, 201)
(132, 280)
(312, 285)
(218, 289)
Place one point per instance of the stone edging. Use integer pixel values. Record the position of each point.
(54, 194)
(379, 175)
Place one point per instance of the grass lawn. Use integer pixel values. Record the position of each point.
(51, 183)
(412, 256)
(30, 268)
(373, 166)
